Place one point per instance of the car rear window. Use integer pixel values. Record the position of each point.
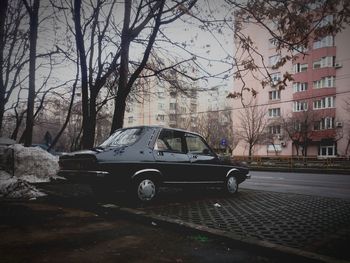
(123, 137)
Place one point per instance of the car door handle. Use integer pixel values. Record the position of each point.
(160, 153)
(194, 156)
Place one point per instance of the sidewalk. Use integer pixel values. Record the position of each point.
(253, 226)
(310, 226)
(40, 231)
(293, 224)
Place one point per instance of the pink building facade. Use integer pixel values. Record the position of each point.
(319, 94)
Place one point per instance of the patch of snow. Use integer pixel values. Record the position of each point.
(31, 165)
(13, 187)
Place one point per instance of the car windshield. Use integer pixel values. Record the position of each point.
(124, 137)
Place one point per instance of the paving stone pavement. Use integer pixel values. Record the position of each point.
(310, 223)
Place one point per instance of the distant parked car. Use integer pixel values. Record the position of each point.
(141, 159)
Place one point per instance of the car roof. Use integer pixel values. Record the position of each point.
(163, 127)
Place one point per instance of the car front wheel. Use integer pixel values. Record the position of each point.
(146, 189)
(231, 185)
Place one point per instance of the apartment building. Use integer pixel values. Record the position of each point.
(314, 102)
(163, 105)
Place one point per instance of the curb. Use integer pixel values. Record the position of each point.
(246, 242)
(301, 170)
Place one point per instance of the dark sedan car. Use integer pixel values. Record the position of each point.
(141, 159)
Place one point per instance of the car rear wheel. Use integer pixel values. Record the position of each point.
(231, 185)
(146, 189)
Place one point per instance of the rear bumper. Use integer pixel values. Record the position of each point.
(79, 176)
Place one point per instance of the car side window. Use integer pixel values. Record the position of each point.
(196, 145)
(171, 141)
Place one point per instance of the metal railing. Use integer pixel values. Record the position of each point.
(342, 163)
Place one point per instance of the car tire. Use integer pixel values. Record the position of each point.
(145, 189)
(231, 185)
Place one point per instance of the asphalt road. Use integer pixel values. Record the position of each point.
(326, 185)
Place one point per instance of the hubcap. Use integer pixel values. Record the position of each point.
(231, 185)
(146, 190)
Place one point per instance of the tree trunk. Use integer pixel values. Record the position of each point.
(33, 13)
(87, 139)
(250, 153)
(19, 120)
(347, 147)
(3, 11)
(118, 115)
(92, 122)
(120, 101)
(297, 148)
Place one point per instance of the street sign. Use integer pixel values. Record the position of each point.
(223, 142)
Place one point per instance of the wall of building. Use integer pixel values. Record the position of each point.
(162, 105)
(335, 71)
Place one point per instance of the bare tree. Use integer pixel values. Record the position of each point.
(300, 128)
(252, 126)
(346, 129)
(161, 14)
(217, 127)
(13, 50)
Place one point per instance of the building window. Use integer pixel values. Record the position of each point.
(275, 95)
(275, 129)
(275, 77)
(173, 94)
(324, 124)
(193, 107)
(275, 112)
(298, 87)
(299, 68)
(299, 49)
(324, 62)
(327, 150)
(273, 42)
(299, 106)
(161, 106)
(327, 41)
(130, 119)
(327, 102)
(172, 117)
(327, 20)
(160, 117)
(161, 94)
(172, 106)
(273, 60)
(327, 82)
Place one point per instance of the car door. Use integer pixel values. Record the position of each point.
(205, 165)
(170, 155)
